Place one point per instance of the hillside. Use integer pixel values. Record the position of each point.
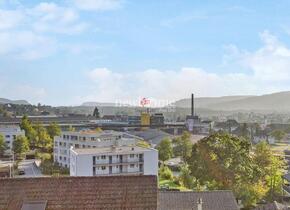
(204, 102)
(279, 102)
(19, 102)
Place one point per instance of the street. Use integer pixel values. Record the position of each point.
(30, 169)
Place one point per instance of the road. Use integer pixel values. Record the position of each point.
(30, 169)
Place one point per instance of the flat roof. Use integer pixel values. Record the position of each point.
(110, 150)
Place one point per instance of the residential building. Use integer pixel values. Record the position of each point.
(10, 133)
(81, 193)
(105, 161)
(207, 200)
(88, 139)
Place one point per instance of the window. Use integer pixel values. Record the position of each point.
(93, 138)
(131, 155)
(94, 171)
(94, 160)
(84, 138)
(7, 136)
(14, 137)
(84, 146)
(103, 157)
(98, 157)
(103, 168)
(64, 158)
(132, 165)
(60, 157)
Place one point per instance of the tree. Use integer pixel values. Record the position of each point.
(165, 150)
(72, 129)
(143, 144)
(183, 146)
(3, 145)
(30, 132)
(165, 173)
(278, 134)
(43, 140)
(186, 178)
(20, 145)
(96, 113)
(53, 130)
(223, 161)
(271, 169)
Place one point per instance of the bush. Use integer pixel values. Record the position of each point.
(165, 173)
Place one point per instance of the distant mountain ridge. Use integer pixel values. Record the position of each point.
(270, 102)
(18, 102)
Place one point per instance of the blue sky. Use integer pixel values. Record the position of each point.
(71, 51)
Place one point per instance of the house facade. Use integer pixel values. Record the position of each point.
(10, 134)
(113, 161)
(88, 139)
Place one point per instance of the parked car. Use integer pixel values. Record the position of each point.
(21, 172)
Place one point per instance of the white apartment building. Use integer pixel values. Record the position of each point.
(110, 161)
(88, 139)
(10, 133)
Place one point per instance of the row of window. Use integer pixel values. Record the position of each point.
(83, 138)
(64, 144)
(8, 136)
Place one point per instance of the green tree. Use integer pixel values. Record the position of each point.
(183, 146)
(72, 129)
(244, 131)
(223, 161)
(143, 143)
(20, 145)
(278, 134)
(165, 173)
(3, 145)
(30, 132)
(43, 140)
(53, 130)
(270, 169)
(165, 150)
(96, 113)
(186, 178)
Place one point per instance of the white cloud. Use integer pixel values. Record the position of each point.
(51, 18)
(25, 45)
(10, 18)
(98, 4)
(268, 71)
(22, 91)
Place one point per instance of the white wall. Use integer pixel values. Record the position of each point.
(151, 162)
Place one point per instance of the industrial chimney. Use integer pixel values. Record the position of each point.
(192, 104)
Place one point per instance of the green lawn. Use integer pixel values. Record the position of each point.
(171, 185)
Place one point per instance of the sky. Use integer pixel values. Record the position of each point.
(67, 52)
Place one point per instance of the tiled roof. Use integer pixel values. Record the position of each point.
(212, 200)
(272, 206)
(78, 193)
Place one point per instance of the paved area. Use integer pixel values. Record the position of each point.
(30, 169)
